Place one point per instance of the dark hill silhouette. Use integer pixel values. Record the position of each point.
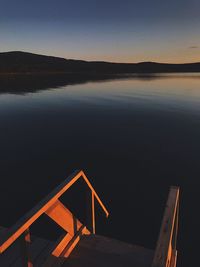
(23, 62)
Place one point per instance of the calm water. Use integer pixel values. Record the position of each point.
(133, 137)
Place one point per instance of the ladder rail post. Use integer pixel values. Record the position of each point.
(25, 249)
(93, 214)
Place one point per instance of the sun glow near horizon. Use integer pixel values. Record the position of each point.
(134, 31)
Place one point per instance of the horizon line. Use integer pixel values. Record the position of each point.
(101, 61)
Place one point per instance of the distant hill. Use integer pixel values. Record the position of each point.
(23, 62)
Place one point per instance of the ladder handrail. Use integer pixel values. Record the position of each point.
(29, 218)
(166, 253)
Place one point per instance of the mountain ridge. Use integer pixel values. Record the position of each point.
(26, 62)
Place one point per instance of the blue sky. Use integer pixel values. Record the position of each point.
(123, 31)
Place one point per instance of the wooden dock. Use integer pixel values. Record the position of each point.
(80, 247)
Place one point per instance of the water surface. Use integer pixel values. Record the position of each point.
(133, 137)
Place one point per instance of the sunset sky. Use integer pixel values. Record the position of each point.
(111, 30)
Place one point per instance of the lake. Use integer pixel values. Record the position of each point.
(133, 136)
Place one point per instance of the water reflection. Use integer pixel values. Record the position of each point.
(134, 136)
(170, 91)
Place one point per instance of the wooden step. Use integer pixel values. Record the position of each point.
(39, 250)
(99, 251)
(92, 250)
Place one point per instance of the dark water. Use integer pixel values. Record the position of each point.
(133, 137)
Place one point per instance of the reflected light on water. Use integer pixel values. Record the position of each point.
(166, 91)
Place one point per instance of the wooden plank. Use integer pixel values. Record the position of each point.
(55, 261)
(95, 194)
(9, 257)
(61, 244)
(42, 257)
(99, 251)
(25, 249)
(36, 248)
(13, 254)
(25, 222)
(164, 250)
(174, 259)
(39, 249)
(71, 245)
(93, 214)
(14, 232)
(64, 218)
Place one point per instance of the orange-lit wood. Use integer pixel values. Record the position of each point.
(25, 249)
(95, 194)
(173, 259)
(174, 237)
(62, 243)
(36, 212)
(55, 259)
(165, 254)
(54, 209)
(73, 242)
(93, 214)
(64, 218)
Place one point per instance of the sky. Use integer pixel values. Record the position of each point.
(108, 30)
